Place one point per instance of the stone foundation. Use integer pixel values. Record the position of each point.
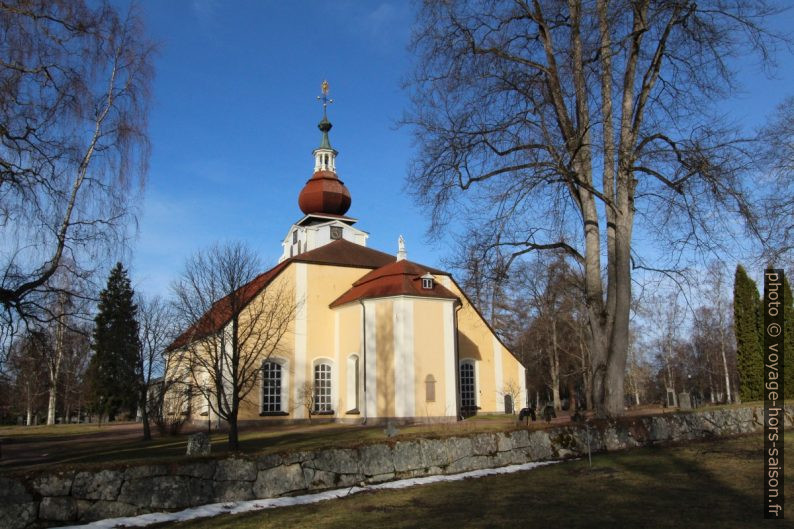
(51, 499)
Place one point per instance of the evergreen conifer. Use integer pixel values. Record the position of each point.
(747, 325)
(116, 345)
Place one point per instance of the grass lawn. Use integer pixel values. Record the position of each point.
(32, 448)
(702, 485)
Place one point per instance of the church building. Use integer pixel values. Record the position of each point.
(378, 336)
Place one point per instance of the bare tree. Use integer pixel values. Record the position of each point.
(719, 311)
(157, 329)
(235, 319)
(29, 371)
(571, 126)
(74, 84)
(307, 397)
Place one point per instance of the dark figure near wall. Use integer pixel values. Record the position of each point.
(527, 413)
(548, 413)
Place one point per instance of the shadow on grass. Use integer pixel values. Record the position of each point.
(702, 485)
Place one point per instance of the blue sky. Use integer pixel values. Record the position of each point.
(234, 116)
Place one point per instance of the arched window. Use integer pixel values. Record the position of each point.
(468, 388)
(322, 388)
(271, 387)
(352, 383)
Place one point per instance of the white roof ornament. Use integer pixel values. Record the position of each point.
(401, 255)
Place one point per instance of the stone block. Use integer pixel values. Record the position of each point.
(88, 511)
(407, 456)
(145, 471)
(235, 469)
(59, 484)
(268, 461)
(520, 438)
(296, 457)
(539, 448)
(503, 442)
(199, 469)
(17, 515)
(458, 448)
(434, 452)
(273, 482)
(380, 478)
(159, 492)
(318, 479)
(201, 491)
(338, 461)
(198, 444)
(12, 491)
(467, 464)
(483, 444)
(102, 485)
(376, 459)
(58, 509)
(233, 491)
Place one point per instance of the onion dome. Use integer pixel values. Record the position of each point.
(324, 192)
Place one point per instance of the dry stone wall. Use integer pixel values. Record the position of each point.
(68, 497)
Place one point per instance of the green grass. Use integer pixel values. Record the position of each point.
(702, 485)
(88, 446)
(56, 430)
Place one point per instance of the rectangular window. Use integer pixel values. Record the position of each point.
(271, 387)
(322, 388)
(468, 400)
(430, 388)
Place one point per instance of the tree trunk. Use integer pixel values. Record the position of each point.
(51, 404)
(234, 442)
(147, 434)
(554, 367)
(725, 367)
(55, 366)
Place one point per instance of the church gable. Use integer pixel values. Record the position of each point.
(374, 336)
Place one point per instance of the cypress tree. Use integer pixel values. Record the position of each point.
(788, 340)
(116, 345)
(747, 325)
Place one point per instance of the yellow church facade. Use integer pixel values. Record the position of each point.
(375, 336)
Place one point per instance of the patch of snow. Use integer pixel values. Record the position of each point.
(214, 509)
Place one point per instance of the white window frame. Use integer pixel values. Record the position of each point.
(353, 386)
(476, 376)
(285, 384)
(328, 408)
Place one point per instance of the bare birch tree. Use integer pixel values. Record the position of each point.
(157, 329)
(581, 126)
(234, 322)
(74, 85)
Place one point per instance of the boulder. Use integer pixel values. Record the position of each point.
(88, 511)
(102, 485)
(198, 444)
(376, 459)
(54, 484)
(58, 509)
(273, 482)
(235, 469)
(407, 456)
(159, 492)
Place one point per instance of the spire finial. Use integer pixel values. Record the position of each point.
(324, 97)
(401, 254)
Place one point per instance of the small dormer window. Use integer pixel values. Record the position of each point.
(427, 282)
(294, 236)
(336, 232)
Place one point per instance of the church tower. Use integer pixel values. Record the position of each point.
(324, 200)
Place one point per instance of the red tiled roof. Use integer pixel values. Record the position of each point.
(340, 253)
(400, 278)
(221, 311)
(345, 253)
